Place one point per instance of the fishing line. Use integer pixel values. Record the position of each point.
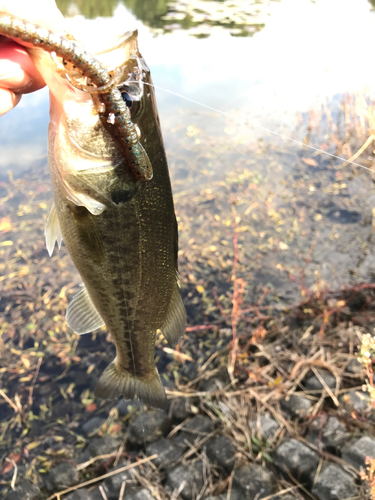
(261, 127)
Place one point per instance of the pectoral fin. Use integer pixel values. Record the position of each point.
(81, 315)
(174, 324)
(52, 231)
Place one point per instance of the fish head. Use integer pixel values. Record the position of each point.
(85, 160)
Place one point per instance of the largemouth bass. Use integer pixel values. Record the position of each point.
(119, 228)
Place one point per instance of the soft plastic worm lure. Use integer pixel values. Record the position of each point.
(116, 116)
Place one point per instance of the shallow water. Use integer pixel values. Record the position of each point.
(283, 65)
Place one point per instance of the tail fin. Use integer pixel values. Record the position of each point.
(115, 382)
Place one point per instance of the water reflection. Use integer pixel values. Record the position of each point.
(285, 78)
(198, 16)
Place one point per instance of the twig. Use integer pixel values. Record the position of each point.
(273, 411)
(101, 489)
(94, 459)
(9, 401)
(34, 381)
(122, 491)
(104, 476)
(14, 477)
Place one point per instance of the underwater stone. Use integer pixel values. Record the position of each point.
(61, 477)
(148, 427)
(167, 450)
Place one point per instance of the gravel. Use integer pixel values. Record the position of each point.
(264, 427)
(24, 491)
(356, 451)
(188, 479)
(298, 459)
(221, 451)
(254, 481)
(61, 477)
(168, 452)
(148, 427)
(334, 484)
(296, 406)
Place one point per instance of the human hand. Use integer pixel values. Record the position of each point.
(18, 74)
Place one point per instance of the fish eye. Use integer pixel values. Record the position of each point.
(133, 105)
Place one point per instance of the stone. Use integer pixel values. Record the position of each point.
(124, 407)
(103, 446)
(359, 402)
(25, 491)
(181, 408)
(93, 425)
(167, 450)
(264, 427)
(234, 495)
(355, 452)
(139, 494)
(254, 481)
(198, 427)
(334, 483)
(213, 384)
(314, 384)
(330, 434)
(296, 406)
(61, 477)
(298, 459)
(355, 367)
(187, 479)
(112, 485)
(148, 427)
(96, 494)
(189, 371)
(287, 496)
(221, 451)
(81, 494)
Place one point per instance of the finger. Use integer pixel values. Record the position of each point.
(17, 70)
(8, 100)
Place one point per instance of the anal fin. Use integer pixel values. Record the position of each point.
(174, 324)
(52, 231)
(81, 315)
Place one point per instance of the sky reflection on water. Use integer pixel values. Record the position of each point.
(306, 54)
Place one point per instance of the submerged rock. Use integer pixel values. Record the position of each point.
(61, 477)
(25, 491)
(148, 427)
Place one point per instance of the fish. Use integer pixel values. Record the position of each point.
(118, 225)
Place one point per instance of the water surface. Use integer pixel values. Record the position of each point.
(299, 68)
